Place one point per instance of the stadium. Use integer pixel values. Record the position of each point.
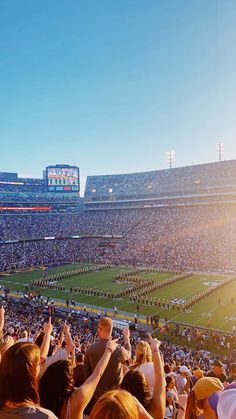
(159, 244)
(118, 210)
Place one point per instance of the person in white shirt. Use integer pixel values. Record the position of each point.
(181, 380)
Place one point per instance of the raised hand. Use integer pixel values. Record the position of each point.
(48, 326)
(126, 333)
(112, 345)
(66, 328)
(2, 312)
(154, 343)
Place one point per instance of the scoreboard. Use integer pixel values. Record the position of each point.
(62, 178)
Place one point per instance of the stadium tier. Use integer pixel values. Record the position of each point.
(212, 181)
(198, 238)
(192, 229)
(57, 191)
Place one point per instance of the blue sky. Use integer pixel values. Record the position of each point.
(110, 85)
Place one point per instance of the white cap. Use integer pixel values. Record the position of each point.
(226, 407)
(183, 368)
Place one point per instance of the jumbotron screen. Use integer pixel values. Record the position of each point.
(62, 179)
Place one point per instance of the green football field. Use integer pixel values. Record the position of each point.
(219, 308)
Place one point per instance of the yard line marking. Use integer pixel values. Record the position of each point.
(210, 311)
(226, 320)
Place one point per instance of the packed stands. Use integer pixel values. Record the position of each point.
(192, 232)
(178, 238)
(30, 194)
(205, 181)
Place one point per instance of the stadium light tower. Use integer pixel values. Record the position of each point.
(220, 149)
(170, 157)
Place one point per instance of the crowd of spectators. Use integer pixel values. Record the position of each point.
(179, 238)
(37, 197)
(24, 185)
(176, 237)
(42, 358)
(150, 184)
(30, 190)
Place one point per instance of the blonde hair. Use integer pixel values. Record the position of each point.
(115, 404)
(18, 374)
(143, 354)
(5, 343)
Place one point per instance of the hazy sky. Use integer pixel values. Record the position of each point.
(110, 85)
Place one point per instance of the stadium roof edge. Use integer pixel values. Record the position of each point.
(164, 170)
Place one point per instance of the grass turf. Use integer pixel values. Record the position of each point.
(222, 315)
